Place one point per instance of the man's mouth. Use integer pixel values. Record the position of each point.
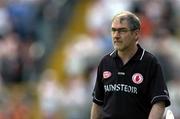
(117, 41)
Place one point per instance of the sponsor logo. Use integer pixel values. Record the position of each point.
(121, 88)
(106, 74)
(137, 78)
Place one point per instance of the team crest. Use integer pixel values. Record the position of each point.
(106, 74)
(137, 78)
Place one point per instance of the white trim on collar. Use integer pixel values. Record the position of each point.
(142, 54)
(112, 52)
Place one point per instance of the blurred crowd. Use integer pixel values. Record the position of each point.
(29, 31)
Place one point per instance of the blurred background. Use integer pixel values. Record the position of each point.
(50, 49)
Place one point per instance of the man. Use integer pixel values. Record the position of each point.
(130, 83)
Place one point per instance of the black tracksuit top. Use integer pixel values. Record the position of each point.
(129, 91)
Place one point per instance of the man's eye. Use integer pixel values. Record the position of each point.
(113, 29)
(119, 30)
(123, 30)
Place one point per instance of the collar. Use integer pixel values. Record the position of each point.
(138, 55)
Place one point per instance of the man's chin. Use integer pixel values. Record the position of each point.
(118, 48)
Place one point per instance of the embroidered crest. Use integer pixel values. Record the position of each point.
(137, 78)
(106, 74)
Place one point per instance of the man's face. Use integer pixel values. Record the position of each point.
(122, 36)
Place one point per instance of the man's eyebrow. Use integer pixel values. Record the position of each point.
(120, 28)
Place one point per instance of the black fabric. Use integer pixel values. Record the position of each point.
(129, 91)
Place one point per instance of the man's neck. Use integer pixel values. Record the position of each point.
(127, 54)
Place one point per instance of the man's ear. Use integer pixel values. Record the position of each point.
(137, 34)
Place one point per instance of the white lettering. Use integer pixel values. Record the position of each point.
(120, 87)
(125, 88)
(113, 87)
(129, 88)
(135, 90)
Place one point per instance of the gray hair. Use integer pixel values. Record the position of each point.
(133, 21)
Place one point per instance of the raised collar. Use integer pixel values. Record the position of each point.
(138, 55)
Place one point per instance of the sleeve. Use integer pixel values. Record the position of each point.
(158, 89)
(98, 92)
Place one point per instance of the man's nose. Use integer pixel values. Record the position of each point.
(116, 33)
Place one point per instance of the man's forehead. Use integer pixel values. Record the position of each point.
(118, 20)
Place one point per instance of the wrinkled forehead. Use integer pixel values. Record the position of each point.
(120, 18)
(120, 21)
